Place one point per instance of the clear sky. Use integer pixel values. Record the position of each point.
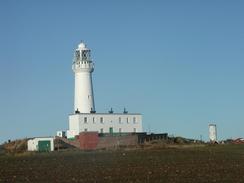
(179, 63)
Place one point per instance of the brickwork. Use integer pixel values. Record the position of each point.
(88, 140)
(116, 141)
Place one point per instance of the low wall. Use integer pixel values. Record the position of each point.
(116, 141)
(93, 140)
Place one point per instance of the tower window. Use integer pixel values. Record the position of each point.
(85, 119)
(134, 119)
(93, 119)
(127, 119)
(101, 120)
(119, 119)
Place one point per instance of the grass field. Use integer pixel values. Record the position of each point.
(219, 163)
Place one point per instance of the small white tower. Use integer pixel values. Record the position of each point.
(83, 68)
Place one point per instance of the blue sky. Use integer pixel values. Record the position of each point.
(179, 63)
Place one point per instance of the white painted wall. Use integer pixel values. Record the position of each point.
(78, 123)
(84, 99)
(32, 144)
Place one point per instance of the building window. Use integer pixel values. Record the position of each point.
(134, 129)
(93, 119)
(85, 130)
(101, 130)
(134, 119)
(101, 120)
(85, 119)
(119, 119)
(127, 119)
(120, 130)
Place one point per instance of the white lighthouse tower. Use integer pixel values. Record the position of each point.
(83, 68)
(85, 118)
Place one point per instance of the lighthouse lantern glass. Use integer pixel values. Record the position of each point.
(77, 55)
(85, 55)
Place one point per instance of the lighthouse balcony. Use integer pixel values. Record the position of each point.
(83, 66)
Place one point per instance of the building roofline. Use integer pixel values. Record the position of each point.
(106, 114)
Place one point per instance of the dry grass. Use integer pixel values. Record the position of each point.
(17, 146)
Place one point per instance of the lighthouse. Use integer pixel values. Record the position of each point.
(84, 117)
(83, 68)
